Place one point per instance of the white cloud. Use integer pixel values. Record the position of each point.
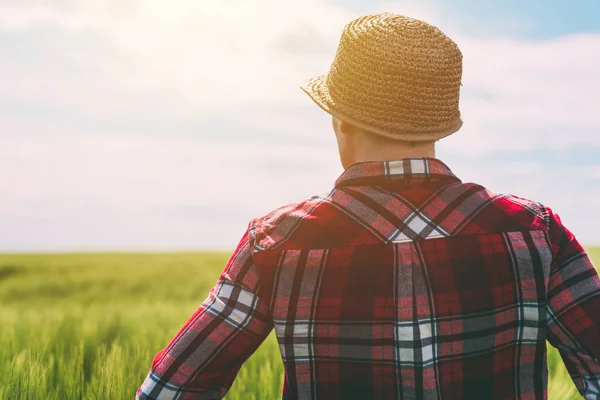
(220, 58)
(163, 193)
(207, 58)
(530, 94)
(211, 55)
(592, 172)
(99, 92)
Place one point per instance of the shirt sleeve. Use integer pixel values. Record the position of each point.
(573, 318)
(204, 358)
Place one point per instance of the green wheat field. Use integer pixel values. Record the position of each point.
(86, 326)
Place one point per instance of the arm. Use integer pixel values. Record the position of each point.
(574, 309)
(204, 358)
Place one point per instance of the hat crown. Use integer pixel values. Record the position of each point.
(395, 75)
(387, 35)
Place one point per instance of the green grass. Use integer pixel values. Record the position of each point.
(86, 326)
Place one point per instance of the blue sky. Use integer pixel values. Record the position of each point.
(539, 19)
(542, 19)
(143, 125)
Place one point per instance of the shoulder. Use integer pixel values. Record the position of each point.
(488, 211)
(521, 203)
(536, 213)
(278, 226)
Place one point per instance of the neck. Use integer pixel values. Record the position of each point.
(394, 151)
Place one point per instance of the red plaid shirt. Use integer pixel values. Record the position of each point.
(401, 283)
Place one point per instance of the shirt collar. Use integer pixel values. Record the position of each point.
(408, 170)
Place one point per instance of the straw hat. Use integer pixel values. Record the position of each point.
(395, 76)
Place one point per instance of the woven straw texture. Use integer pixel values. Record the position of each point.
(395, 76)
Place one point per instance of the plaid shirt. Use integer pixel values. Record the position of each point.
(401, 283)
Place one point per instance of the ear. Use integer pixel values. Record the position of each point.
(346, 128)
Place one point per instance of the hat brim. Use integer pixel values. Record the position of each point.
(318, 91)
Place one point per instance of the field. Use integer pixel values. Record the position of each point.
(86, 326)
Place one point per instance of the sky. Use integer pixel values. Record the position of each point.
(153, 125)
